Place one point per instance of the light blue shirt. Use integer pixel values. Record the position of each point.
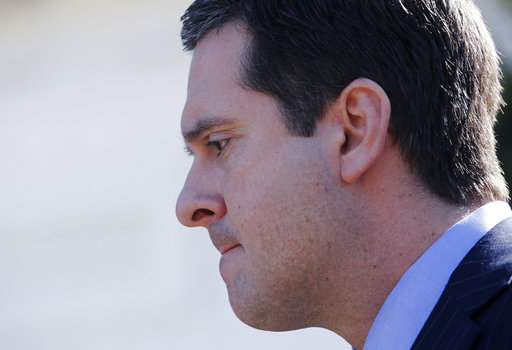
(410, 303)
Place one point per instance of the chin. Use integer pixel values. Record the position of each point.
(265, 324)
(268, 317)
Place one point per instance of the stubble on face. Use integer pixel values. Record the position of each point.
(286, 228)
(281, 197)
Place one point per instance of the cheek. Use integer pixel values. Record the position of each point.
(257, 211)
(279, 203)
(278, 215)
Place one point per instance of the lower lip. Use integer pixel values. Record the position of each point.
(230, 262)
(230, 249)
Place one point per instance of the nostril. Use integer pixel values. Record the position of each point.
(201, 213)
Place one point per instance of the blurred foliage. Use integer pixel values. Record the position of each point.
(504, 129)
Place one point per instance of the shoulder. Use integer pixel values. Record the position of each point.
(475, 309)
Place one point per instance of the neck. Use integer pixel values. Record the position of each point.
(399, 223)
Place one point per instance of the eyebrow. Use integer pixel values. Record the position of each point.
(202, 126)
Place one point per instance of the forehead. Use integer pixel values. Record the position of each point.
(213, 78)
(221, 49)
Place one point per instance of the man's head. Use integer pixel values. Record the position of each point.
(294, 113)
(435, 60)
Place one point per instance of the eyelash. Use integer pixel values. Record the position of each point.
(218, 144)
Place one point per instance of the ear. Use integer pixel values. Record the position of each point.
(363, 110)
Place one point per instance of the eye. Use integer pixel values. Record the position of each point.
(218, 144)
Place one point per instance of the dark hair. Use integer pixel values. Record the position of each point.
(434, 58)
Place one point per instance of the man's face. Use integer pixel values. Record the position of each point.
(269, 200)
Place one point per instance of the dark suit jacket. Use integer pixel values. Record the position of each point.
(475, 309)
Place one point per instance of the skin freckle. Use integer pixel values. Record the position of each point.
(326, 196)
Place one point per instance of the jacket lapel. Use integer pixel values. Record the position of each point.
(485, 270)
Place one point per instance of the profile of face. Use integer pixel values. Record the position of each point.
(271, 201)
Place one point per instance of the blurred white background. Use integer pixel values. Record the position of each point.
(91, 162)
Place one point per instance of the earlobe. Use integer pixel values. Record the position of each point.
(364, 109)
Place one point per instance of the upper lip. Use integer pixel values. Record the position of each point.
(222, 240)
(224, 249)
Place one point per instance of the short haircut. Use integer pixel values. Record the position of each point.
(435, 59)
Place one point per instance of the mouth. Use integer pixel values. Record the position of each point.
(227, 249)
(224, 239)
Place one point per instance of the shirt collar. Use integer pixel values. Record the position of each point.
(410, 303)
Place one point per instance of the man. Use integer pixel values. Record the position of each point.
(345, 168)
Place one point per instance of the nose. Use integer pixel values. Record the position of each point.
(197, 206)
